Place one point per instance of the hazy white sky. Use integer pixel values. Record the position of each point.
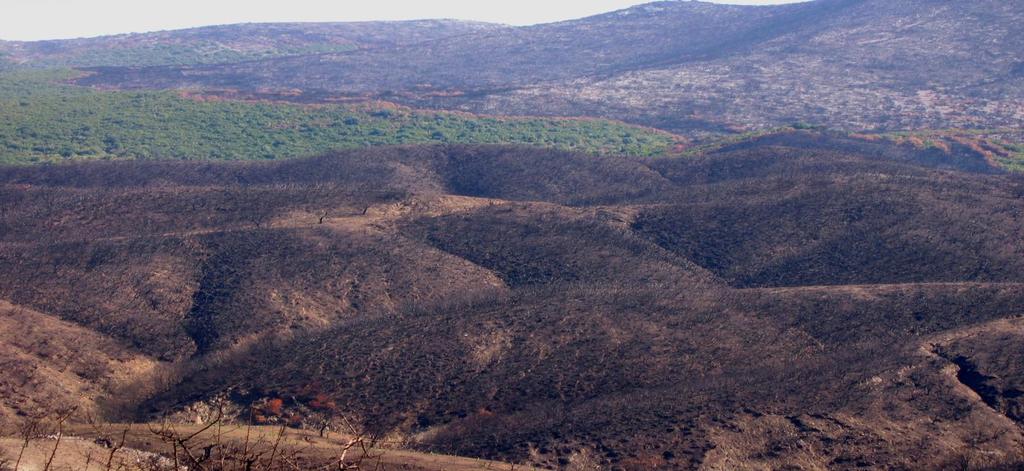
(50, 19)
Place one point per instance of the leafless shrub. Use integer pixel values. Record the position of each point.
(61, 419)
(29, 430)
(114, 442)
(206, 449)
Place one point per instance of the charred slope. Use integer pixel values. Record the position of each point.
(861, 230)
(647, 378)
(774, 303)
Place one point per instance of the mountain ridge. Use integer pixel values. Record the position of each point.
(849, 64)
(234, 42)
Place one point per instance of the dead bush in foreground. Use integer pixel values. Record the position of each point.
(214, 446)
(206, 449)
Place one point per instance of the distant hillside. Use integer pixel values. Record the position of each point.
(686, 66)
(800, 299)
(230, 43)
(507, 57)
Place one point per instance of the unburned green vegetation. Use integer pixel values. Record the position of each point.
(44, 121)
(1003, 148)
(1015, 161)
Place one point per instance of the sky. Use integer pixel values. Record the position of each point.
(55, 19)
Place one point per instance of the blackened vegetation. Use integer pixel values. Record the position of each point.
(736, 307)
